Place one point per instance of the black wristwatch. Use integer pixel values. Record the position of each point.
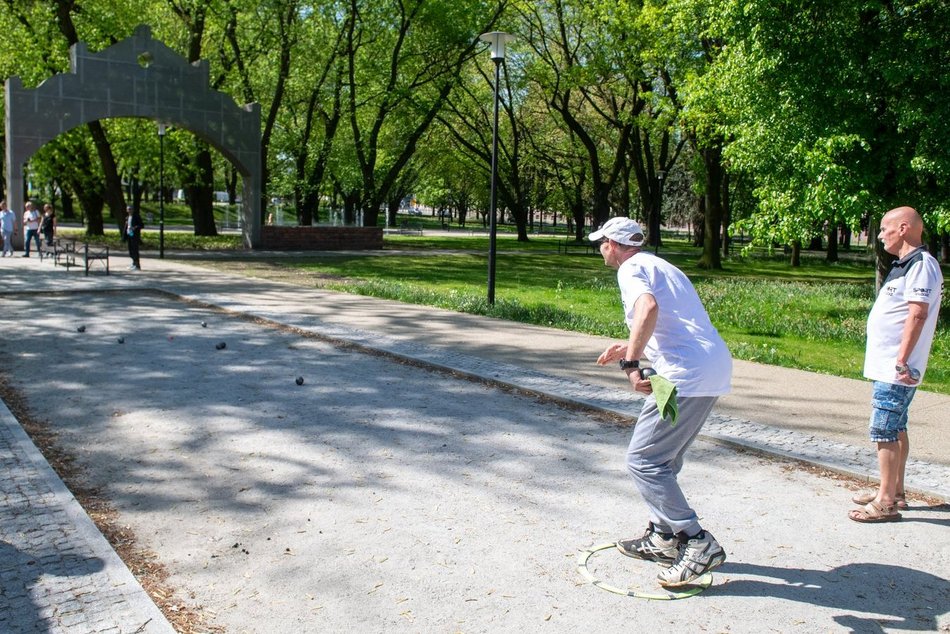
(629, 365)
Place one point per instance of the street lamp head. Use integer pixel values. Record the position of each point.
(661, 174)
(161, 128)
(498, 40)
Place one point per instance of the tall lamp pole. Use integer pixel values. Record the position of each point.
(497, 40)
(161, 190)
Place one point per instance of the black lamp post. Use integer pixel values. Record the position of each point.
(497, 40)
(161, 190)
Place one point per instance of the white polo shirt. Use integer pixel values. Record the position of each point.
(914, 278)
(685, 347)
(31, 220)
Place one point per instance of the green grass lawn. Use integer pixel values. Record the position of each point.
(810, 317)
(174, 240)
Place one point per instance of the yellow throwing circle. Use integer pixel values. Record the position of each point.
(666, 595)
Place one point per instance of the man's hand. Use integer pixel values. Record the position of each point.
(908, 375)
(612, 354)
(639, 385)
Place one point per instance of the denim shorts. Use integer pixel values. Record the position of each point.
(889, 404)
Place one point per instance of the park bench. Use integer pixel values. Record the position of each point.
(72, 252)
(48, 251)
(565, 246)
(407, 228)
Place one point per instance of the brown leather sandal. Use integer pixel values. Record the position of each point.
(873, 513)
(900, 500)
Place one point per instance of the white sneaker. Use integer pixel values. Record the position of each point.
(653, 546)
(697, 556)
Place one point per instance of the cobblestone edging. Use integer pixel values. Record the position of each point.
(858, 461)
(57, 572)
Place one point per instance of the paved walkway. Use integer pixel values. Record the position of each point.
(809, 417)
(57, 572)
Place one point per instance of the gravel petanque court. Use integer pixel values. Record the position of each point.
(383, 497)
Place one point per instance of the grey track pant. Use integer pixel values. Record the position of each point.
(655, 457)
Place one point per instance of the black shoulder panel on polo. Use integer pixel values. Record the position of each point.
(900, 267)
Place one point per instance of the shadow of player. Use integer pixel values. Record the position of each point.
(903, 598)
(20, 572)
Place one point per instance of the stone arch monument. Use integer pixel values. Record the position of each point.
(137, 77)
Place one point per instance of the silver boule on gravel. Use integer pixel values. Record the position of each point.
(220, 345)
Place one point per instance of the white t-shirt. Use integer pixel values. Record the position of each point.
(31, 220)
(685, 347)
(7, 219)
(914, 278)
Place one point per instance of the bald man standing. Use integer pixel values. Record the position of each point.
(900, 332)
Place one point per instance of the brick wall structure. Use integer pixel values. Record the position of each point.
(321, 238)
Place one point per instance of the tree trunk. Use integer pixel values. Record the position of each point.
(519, 213)
(726, 215)
(137, 190)
(845, 240)
(304, 203)
(882, 257)
(202, 195)
(392, 208)
(712, 164)
(578, 213)
(832, 254)
(654, 220)
(370, 209)
(351, 202)
(68, 211)
(91, 201)
(113, 184)
(699, 222)
(945, 243)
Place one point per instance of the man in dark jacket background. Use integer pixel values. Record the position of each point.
(133, 235)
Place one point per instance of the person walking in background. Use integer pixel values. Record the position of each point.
(133, 235)
(900, 331)
(31, 228)
(7, 227)
(669, 325)
(48, 224)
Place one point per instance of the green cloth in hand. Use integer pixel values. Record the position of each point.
(665, 393)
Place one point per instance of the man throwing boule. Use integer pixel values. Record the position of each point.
(670, 327)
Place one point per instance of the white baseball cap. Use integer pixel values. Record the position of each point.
(621, 229)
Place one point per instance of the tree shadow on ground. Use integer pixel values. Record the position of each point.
(142, 408)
